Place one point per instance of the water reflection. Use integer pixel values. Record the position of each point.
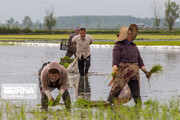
(19, 64)
(84, 90)
(171, 56)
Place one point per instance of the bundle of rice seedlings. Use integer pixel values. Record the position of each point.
(157, 69)
(113, 75)
(65, 61)
(81, 102)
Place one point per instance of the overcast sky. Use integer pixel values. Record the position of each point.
(36, 8)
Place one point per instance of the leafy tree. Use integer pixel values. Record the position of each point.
(27, 22)
(171, 14)
(16, 24)
(156, 9)
(49, 20)
(37, 25)
(10, 22)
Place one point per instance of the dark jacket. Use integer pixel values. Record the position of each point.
(126, 53)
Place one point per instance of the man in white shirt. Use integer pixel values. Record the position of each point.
(83, 42)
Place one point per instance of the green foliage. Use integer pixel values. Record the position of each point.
(10, 22)
(81, 102)
(66, 65)
(7, 30)
(113, 74)
(171, 14)
(65, 61)
(151, 110)
(16, 30)
(49, 20)
(26, 30)
(27, 22)
(156, 69)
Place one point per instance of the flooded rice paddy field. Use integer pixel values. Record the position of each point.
(20, 64)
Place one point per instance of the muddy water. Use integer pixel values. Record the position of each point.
(20, 64)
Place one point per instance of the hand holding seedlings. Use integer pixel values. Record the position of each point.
(51, 102)
(148, 75)
(113, 74)
(56, 101)
(157, 68)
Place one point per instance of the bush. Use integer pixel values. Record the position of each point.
(7, 30)
(26, 30)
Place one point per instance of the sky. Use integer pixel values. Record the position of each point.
(36, 9)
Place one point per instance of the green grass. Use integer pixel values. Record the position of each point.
(153, 43)
(95, 36)
(151, 110)
(6, 43)
(158, 43)
(31, 37)
(98, 37)
(158, 37)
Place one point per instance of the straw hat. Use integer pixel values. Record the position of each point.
(123, 32)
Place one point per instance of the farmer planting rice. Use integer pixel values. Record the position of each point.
(83, 42)
(51, 76)
(71, 46)
(126, 63)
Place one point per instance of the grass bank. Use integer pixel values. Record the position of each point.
(95, 36)
(98, 37)
(153, 43)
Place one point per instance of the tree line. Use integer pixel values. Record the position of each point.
(172, 12)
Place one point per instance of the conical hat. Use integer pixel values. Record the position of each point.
(123, 32)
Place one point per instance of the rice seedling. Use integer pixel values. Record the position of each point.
(151, 109)
(81, 102)
(111, 75)
(156, 69)
(65, 61)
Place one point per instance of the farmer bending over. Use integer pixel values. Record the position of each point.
(53, 75)
(83, 42)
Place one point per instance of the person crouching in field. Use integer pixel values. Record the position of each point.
(83, 42)
(53, 75)
(126, 63)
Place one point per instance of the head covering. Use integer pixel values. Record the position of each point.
(123, 32)
(54, 65)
